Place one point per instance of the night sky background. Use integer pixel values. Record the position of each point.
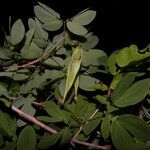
(119, 23)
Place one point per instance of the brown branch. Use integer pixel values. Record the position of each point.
(33, 119)
(47, 51)
(50, 130)
(105, 147)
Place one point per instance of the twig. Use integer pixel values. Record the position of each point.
(47, 51)
(38, 104)
(81, 127)
(50, 130)
(33, 119)
(93, 114)
(105, 147)
(78, 132)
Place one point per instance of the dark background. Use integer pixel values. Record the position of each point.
(119, 23)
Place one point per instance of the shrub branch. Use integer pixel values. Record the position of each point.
(53, 131)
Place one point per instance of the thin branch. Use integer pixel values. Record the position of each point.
(33, 119)
(93, 114)
(81, 127)
(78, 132)
(105, 147)
(47, 51)
(50, 130)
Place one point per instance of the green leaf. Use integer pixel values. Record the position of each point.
(121, 138)
(27, 139)
(62, 87)
(76, 28)
(3, 91)
(91, 125)
(134, 94)
(122, 86)
(116, 80)
(20, 77)
(29, 36)
(5, 53)
(42, 14)
(48, 140)
(136, 126)
(94, 57)
(48, 119)
(102, 99)
(1, 140)
(90, 42)
(54, 61)
(53, 74)
(105, 127)
(6, 74)
(31, 52)
(39, 32)
(49, 10)
(5, 101)
(53, 25)
(66, 136)
(112, 63)
(130, 55)
(85, 18)
(53, 110)
(86, 82)
(7, 123)
(17, 32)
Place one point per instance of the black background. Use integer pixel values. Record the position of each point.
(119, 23)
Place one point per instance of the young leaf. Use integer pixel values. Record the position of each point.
(48, 140)
(53, 110)
(85, 18)
(134, 94)
(76, 28)
(53, 25)
(27, 139)
(17, 32)
(105, 127)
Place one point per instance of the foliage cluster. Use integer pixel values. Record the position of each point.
(59, 83)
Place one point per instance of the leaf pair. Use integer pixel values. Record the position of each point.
(125, 95)
(50, 19)
(129, 132)
(77, 23)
